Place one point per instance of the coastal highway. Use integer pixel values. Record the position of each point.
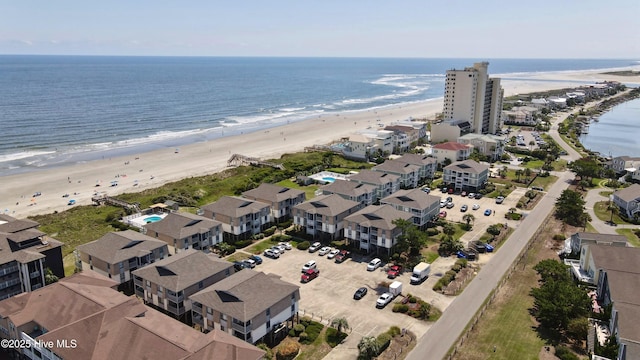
(437, 341)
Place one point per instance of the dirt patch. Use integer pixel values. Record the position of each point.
(399, 347)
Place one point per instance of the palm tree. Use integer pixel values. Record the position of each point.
(368, 347)
(469, 218)
(531, 143)
(503, 173)
(613, 208)
(518, 174)
(340, 324)
(448, 229)
(527, 173)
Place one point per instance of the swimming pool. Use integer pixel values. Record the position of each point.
(151, 219)
(329, 179)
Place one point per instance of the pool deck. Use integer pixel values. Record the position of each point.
(138, 220)
(320, 177)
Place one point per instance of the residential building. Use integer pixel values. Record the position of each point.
(540, 103)
(444, 132)
(358, 147)
(556, 102)
(350, 190)
(82, 317)
(454, 151)
(468, 175)
(168, 284)
(581, 239)
(182, 231)
(386, 184)
(521, 115)
(472, 96)
(240, 217)
(422, 206)
(408, 173)
(323, 216)
(117, 254)
(615, 272)
(628, 200)
(487, 144)
(281, 199)
(403, 137)
(427, 165)
(624, 164)
(25, 254)
(250, 305)
(372, 228)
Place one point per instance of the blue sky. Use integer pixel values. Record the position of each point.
(373, 28)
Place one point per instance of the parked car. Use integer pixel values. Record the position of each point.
(324, 251)
(488, 212)
(475, 206)
(427, 190)
(280, 248)
(342, 256)
(449, 199)
(333, 253)
(277, 250)
(309, 265)
(478, 196)
(538, 188)
(443, 190)
(256, 258)
(360, 293)
(248, 263)
(383, 300)
(442, 214)
(238, 265)
(271, 254)
(394, 271)
(463, 208)
(471, 195)
(488, 247)
(443, 203)
(309, 275)
(450, 205)
(314, 247)
(286, 245)
(463, 194)
(499, 199)
(71, 202)
(374, 264)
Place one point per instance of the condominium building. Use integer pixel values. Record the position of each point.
(249, 305)
(468, 175)
(422, 206)
(487, 144)
(25, 254)
(372, 228)
(239, 217)
(350, 190)
(427, 165)
(472, 96)
(83, 317)
(408, 173)
(117, 254)
(168, 284)
(281, 199)
(182, 231)
(385, 183)
(323, 216)
(454, 151)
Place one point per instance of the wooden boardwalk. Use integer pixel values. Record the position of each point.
(240, 160)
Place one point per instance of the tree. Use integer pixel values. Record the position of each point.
(614, 209)
(340, 323)
(527, 173)
(449, 245)
(609, 349)
(503, 173)
(424, 310)
(49, 277)
(494, 230)
(570, 207)
(585, 168)
(550, 270)
(411, 239)
(584, 184)
(578, 329)
(531, 144)
(368, 348)
(468, 218)
(448, 229)
(518, 174)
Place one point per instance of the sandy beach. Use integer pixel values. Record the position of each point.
(152, 169)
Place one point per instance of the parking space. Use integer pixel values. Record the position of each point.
(331, 294)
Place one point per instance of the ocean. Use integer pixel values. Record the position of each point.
(57, 110)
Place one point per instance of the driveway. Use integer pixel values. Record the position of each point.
(593, 196)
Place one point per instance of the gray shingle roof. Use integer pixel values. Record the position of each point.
(374, 177)
(115, 247)
(245, 294)
(379, 216)
(235, 206)
(597, 237)
(348, 188)
(272, 193)
(415, 199)
(396, 167)
(470, 166)
(180, 271)
(629, 193)
(327, 205)
(616, 258)
(417, 159)
(182, 225)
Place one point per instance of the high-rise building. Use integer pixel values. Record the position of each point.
(473, 100)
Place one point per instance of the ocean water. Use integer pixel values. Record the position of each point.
(57, 110)
(617, 132)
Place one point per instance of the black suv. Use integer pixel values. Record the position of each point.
(360, 293)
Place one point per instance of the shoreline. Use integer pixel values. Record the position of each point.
(151, 169)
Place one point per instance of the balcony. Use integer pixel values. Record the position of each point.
(8, 270)
(34, 274)
(241, 328)
(175, 298)
(9, 283)
(178, 310)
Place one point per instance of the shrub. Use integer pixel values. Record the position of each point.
(456, 268)
(462, 262)
(393, 331)
(292, 333)
(242, 243)
(451, 273)
(383, 341)
(269, 353)
(287, 350)
(338, 244)
(438, 286)
(304, 338)
(401, 308)
(334, 338)
(564, 353)
(270, 231)
(303, 245)
(413, 299)
(312, 330)
(432, 232)
(558, 237)
(298, 328)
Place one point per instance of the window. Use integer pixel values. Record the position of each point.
(269, 312)
(210, 311)
(223, 317)
(200, 285)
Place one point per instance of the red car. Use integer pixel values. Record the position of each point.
(394, 271)
(442, 214)
(309, 275)
(342, 256)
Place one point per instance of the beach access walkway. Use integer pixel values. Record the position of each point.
(241, 160)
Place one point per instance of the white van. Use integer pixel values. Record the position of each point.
(309, 265)
(374, 264)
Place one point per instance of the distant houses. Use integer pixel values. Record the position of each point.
(628, 201)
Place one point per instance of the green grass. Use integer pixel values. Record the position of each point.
(544, 182)
(560, 165)
(534, 164)
(605, 193)
(309, 190)
(430, 256)
(591, 229)
(507, 324)
(600, 209)
(69, 263)
(631, 236)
